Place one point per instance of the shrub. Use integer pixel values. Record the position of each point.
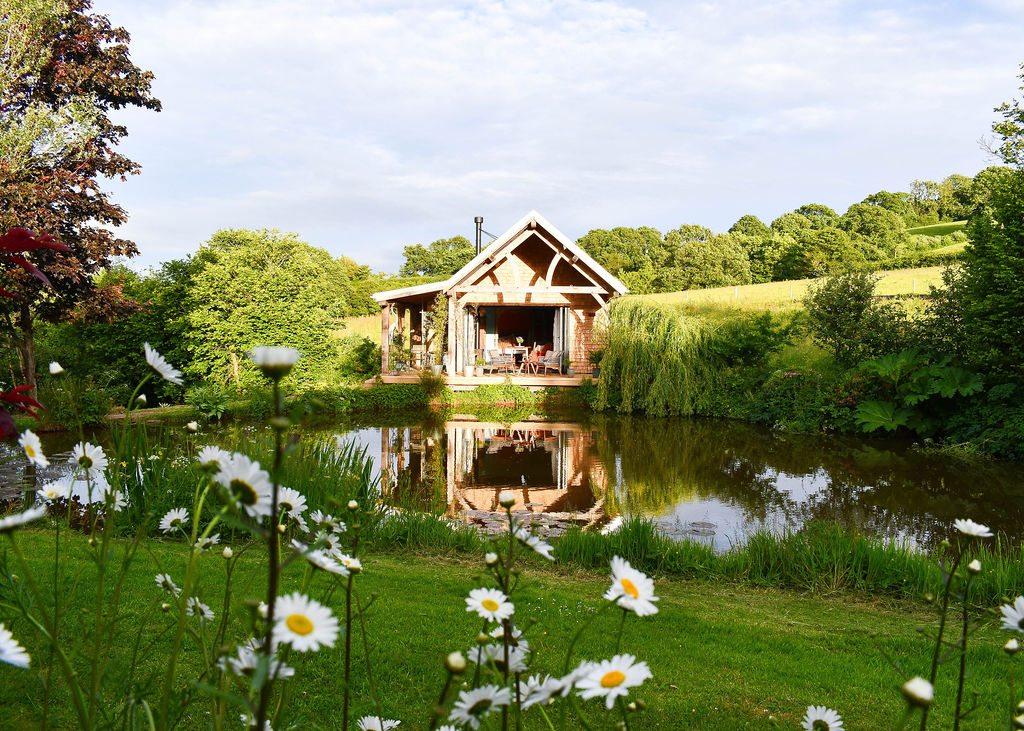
(359, 357)
(74, 400)
(844, 318)
(209, 400)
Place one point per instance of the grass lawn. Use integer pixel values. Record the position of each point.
(723, 655)
(937, 229)
(368, 326)
(788, 295)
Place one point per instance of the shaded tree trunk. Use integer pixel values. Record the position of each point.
(27, 348)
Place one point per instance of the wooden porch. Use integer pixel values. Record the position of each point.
(532, 381)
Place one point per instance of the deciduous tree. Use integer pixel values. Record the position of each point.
(441, 258)
(74, 69)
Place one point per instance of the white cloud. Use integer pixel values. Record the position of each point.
(366, 126)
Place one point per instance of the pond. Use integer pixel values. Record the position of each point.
(712, 481)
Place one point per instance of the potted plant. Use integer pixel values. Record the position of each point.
(567, 366)
(469, 370)
(480, 363)
(595, 361)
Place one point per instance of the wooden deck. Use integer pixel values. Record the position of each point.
(534, 382)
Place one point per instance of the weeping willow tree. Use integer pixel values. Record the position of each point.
(658, 360)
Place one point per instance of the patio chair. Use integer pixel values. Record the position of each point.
(499, 362)
(550, 361)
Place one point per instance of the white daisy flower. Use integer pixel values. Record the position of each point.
(375, 723)
(473, 705)
(499, 633)
(17, 520)
(569, 681)
(164, 369)
(56, 368)
(329, 542)
(535, 543)
(192, 426)
(165, 582)
(974, 566)
(205, 544)
(175, 518)
(489, 604)
(918, 692)
(54, 491)
(248, 482)
(210, 457)
(248, 659)
(970, 528)
(141, 398)
(486, 654)
(274, 362)
(90, 458)
(320, 559)
(194, 607)
(613, 678)
(631, 589)
(250, 722)
(117, 499)
(820, 718)
(33, 448)
(11, 652)
(304, 623)
(326, 521)
(291, 501)
(536, 690)
(354, 565)
(1013, 615)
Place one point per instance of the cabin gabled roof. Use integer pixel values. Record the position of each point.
(530, 224)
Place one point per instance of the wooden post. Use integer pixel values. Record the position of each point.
(385, 341)
(453, 351)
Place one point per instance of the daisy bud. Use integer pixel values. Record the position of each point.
(192, 426)
(1011, 647)
(227, 552)
(141, 398)
(56, 368)
(165, 607)
(483, 639)
(918, 692)
(1018, 721)
(279, 422)
(974, 566)
(631, 707)
(281, 527)
(640, 704)
(274, 362)
(456, 663)
(1020, 706)
(491, 558)
(353, 505)
(506, 499)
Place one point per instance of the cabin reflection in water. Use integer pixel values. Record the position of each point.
(461, 468)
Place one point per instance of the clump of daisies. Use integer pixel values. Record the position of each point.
(494, 676)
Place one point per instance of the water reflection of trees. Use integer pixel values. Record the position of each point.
(891, 490)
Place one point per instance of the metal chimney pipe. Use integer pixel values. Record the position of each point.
(479, 221)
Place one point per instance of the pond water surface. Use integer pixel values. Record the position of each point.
(713, 481)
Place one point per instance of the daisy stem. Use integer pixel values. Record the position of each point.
(942, 629)
(366, 652)
(273, 548)
(436, 716)
(348, 651)
(622, 624)
(547, 719)
(963, 655)
(622, 708)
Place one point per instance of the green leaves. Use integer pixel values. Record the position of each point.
(874, 415)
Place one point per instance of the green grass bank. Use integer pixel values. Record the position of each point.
(723, 655)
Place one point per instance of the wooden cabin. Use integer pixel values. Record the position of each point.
(532, 297)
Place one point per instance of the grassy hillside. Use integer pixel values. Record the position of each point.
(937, 229)
(787, 295)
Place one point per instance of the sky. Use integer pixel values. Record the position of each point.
(365, 126)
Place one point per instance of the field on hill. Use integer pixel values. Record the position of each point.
(937, 229)
(788, 295)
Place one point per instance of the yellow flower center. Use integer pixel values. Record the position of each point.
(299, 624)
(490, 605)
(31, 453)
(612, 679)
(630, 588)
